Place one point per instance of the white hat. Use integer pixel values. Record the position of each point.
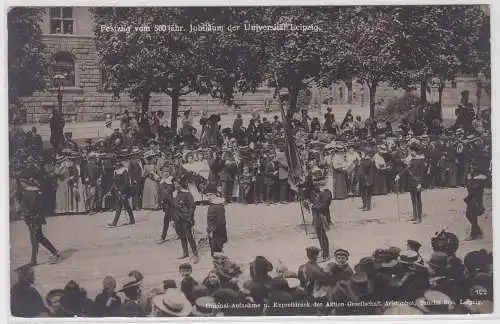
(293, 282)
(173, 302)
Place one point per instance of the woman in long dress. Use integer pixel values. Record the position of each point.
(63, 191)
(150, 197)
(339, 163)
(79, 189)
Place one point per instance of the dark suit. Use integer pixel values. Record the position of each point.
(416, 172)
(366, 175)
(166, 200)
(183, 214)
(216, 227)
(122, 187)
(135, 170)
(474, 201)
(320, 209)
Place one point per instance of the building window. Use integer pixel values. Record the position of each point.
(341, 93)
(61, 20)
(64, 64)
(453, 84)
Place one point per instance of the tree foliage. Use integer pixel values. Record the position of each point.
(27, 64)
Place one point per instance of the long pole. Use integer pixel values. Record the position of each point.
(288, 144)
(303, 217)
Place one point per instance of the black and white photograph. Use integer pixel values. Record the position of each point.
(249, 161)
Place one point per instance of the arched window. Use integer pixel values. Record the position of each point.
(65, 65)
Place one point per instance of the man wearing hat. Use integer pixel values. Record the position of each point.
(216, 224)
(416, 171)
(136, 171)
(92, 172)
(474, 201)
(122, 188)
(173, 303)
(132, 306)
(321, 201)
(30, 196)
(25, 300)
(366, 178)
(183, 214)
(166, 191)
(340, 269)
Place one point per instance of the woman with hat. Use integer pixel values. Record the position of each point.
(216, 224)
(74, 302)
(65, 173)
(150, 199)
(339, 166)
(132, 305)
(416, 172)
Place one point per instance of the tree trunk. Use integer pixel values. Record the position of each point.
(174, 96)
(440, 100)
(423, 91)
(373, 90)
(348, 84)
(146, 96)
(293, 93)
(479, 91)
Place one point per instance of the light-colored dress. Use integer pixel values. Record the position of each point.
(339, 164)
(150, 196)
(63, 191)
(79, 204)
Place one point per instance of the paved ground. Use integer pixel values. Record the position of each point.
(271, 231)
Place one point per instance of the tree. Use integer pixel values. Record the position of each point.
(293, 58)
(27, 64)
(368, 47)
(434, 42)
(176, 62)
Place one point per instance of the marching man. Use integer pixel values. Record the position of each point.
(416, 171)
(122, 187)
(183, 205)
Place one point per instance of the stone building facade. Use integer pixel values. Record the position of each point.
(68, 34)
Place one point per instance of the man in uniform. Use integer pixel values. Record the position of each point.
(183, 213)
(92, 174)
(474, 201)
(136, 170)
(167, 189)
(366, 178)
(416, 171)
(321, 200)
(121, 187)
(29, 196)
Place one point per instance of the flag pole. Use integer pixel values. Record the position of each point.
(288, 153)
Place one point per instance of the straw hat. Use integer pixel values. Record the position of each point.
(203, 307)
(173, 302)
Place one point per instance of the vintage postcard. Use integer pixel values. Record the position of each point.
(250, 161)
